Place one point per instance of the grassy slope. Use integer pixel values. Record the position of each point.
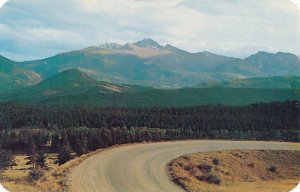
(15, 77)
(16, 178)
(180, 97)
(75, 87)
(277, 82)
(236, 171)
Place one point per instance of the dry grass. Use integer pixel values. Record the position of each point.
(15, 179)
(237, 171)
(54, 180)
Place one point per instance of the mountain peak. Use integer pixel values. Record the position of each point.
(148, 43)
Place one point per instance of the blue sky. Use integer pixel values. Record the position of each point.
(33, 29)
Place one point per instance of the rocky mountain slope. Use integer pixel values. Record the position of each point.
(146, 62)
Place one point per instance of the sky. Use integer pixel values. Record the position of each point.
(35, 29)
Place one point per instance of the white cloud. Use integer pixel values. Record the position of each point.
(2, 2)
(297, 2)
(231, 27)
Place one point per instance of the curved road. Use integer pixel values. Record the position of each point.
(142, 167)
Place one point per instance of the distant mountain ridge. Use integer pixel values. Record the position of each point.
(147, 63)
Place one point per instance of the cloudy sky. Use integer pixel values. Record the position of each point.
(32, 29)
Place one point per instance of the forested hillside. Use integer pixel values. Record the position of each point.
(276, 82)
(92, 127)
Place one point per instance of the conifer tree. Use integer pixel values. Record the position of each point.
(65, 154)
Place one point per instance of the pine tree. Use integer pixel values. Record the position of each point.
(12, 160)
(55, 142)
(41, 160)
(32, 155)
(80, 146)
(5, 160)
(65, 154)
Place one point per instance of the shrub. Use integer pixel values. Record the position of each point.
(251, 165)
(62, 181)
(205, 168)
(272, 168)
(57, 173)
(213, 179)
(189, 166)
(216, 161)
(35, 175)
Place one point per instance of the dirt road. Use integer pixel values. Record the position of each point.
(142, 167)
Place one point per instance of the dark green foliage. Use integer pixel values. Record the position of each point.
(175, 98)
(41, 160)
(32, 154)
(150, 97)
(13, 161)
(80, 145)
(65, 154)
(5, 159)
(55, 144)
(274, 121)
(83, 128)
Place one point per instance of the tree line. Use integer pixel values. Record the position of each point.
(275, 115)
(73, 130)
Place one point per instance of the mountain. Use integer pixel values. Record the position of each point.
(12, 76)
(277, 82)
(69, 82)
(67, 79)
(146, 62)
(278, 64)
(73, 87)
(148, 43)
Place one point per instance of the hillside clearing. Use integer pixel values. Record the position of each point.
(259, 170)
